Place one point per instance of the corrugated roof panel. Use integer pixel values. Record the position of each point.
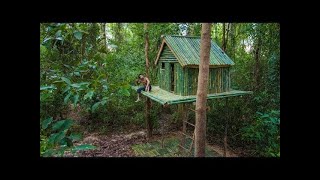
(173, 46)
(187, 50)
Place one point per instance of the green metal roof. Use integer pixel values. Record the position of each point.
(187, 51)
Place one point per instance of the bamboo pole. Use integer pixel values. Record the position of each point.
(184, 125)
(226, 131)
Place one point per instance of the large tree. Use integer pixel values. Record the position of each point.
(200, 131)
(148, 101)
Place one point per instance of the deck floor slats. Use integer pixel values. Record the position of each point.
(165, 97)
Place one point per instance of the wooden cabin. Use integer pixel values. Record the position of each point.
(178, 66)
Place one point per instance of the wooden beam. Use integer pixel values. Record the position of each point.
(148, 118)
(184, 116)
(158, 56)
(178, 59)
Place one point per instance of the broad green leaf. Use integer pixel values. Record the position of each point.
(52, 138)
(67, 98)
(59, 38)
(78, 35)
(105, 87)
(77, 73)
(95, 106)
(126, 92)
(103, 102)
(45, 96)
(46, 40)
(84, 84)
(75, 85)
(64, 141)
(58, 125)
(60, 136)
(88, 95)
(66, 125)
(66, 89)
(259, 113)
(58, 33)
(68, 66)
(57, 82)
(76, 98)
(47, 87)
(84, 147)
(46, 123)
(75, 137)
(66, 80)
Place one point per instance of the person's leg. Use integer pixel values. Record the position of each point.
(139, 91)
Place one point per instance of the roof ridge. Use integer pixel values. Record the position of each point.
(183, 36)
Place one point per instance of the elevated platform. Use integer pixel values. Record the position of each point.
(164, 97)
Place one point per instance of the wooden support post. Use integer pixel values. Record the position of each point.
(162, 121)
(165, 110)
(183, 117)
(226, 130)
(148, 119)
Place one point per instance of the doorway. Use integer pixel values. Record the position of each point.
(172, 80)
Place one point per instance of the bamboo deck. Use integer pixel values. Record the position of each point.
(164, 97)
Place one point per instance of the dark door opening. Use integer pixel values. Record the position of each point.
(172, 77)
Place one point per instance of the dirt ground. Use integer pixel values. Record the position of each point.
(119, 143)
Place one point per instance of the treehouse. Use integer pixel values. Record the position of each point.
(178, 67)
(178, 61)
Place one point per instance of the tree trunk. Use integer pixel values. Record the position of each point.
(183, 116)
(146, 48)
(226, 131)
(226, 40)
(223, 36)
(104, 36)
(233, 40)
(215, 32)
(118, 34)
(148, 118)
(148, 102)
(257, 64)
(201, 116)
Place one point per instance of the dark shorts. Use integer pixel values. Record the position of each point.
(143, 89)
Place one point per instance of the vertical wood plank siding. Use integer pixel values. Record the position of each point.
(186, 78)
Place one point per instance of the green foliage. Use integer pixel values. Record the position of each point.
(83, 147)
(264, 132)
(56, 138)
(78, 35)
(241, 111)
(92, 65)
(46, 123)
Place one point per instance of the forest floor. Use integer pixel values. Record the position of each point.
(122, 144)
(131, 140)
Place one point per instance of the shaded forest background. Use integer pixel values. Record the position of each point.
(89, 67)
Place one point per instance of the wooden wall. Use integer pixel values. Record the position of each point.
(186, 79)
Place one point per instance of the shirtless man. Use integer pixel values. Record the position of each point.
(146, 82)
